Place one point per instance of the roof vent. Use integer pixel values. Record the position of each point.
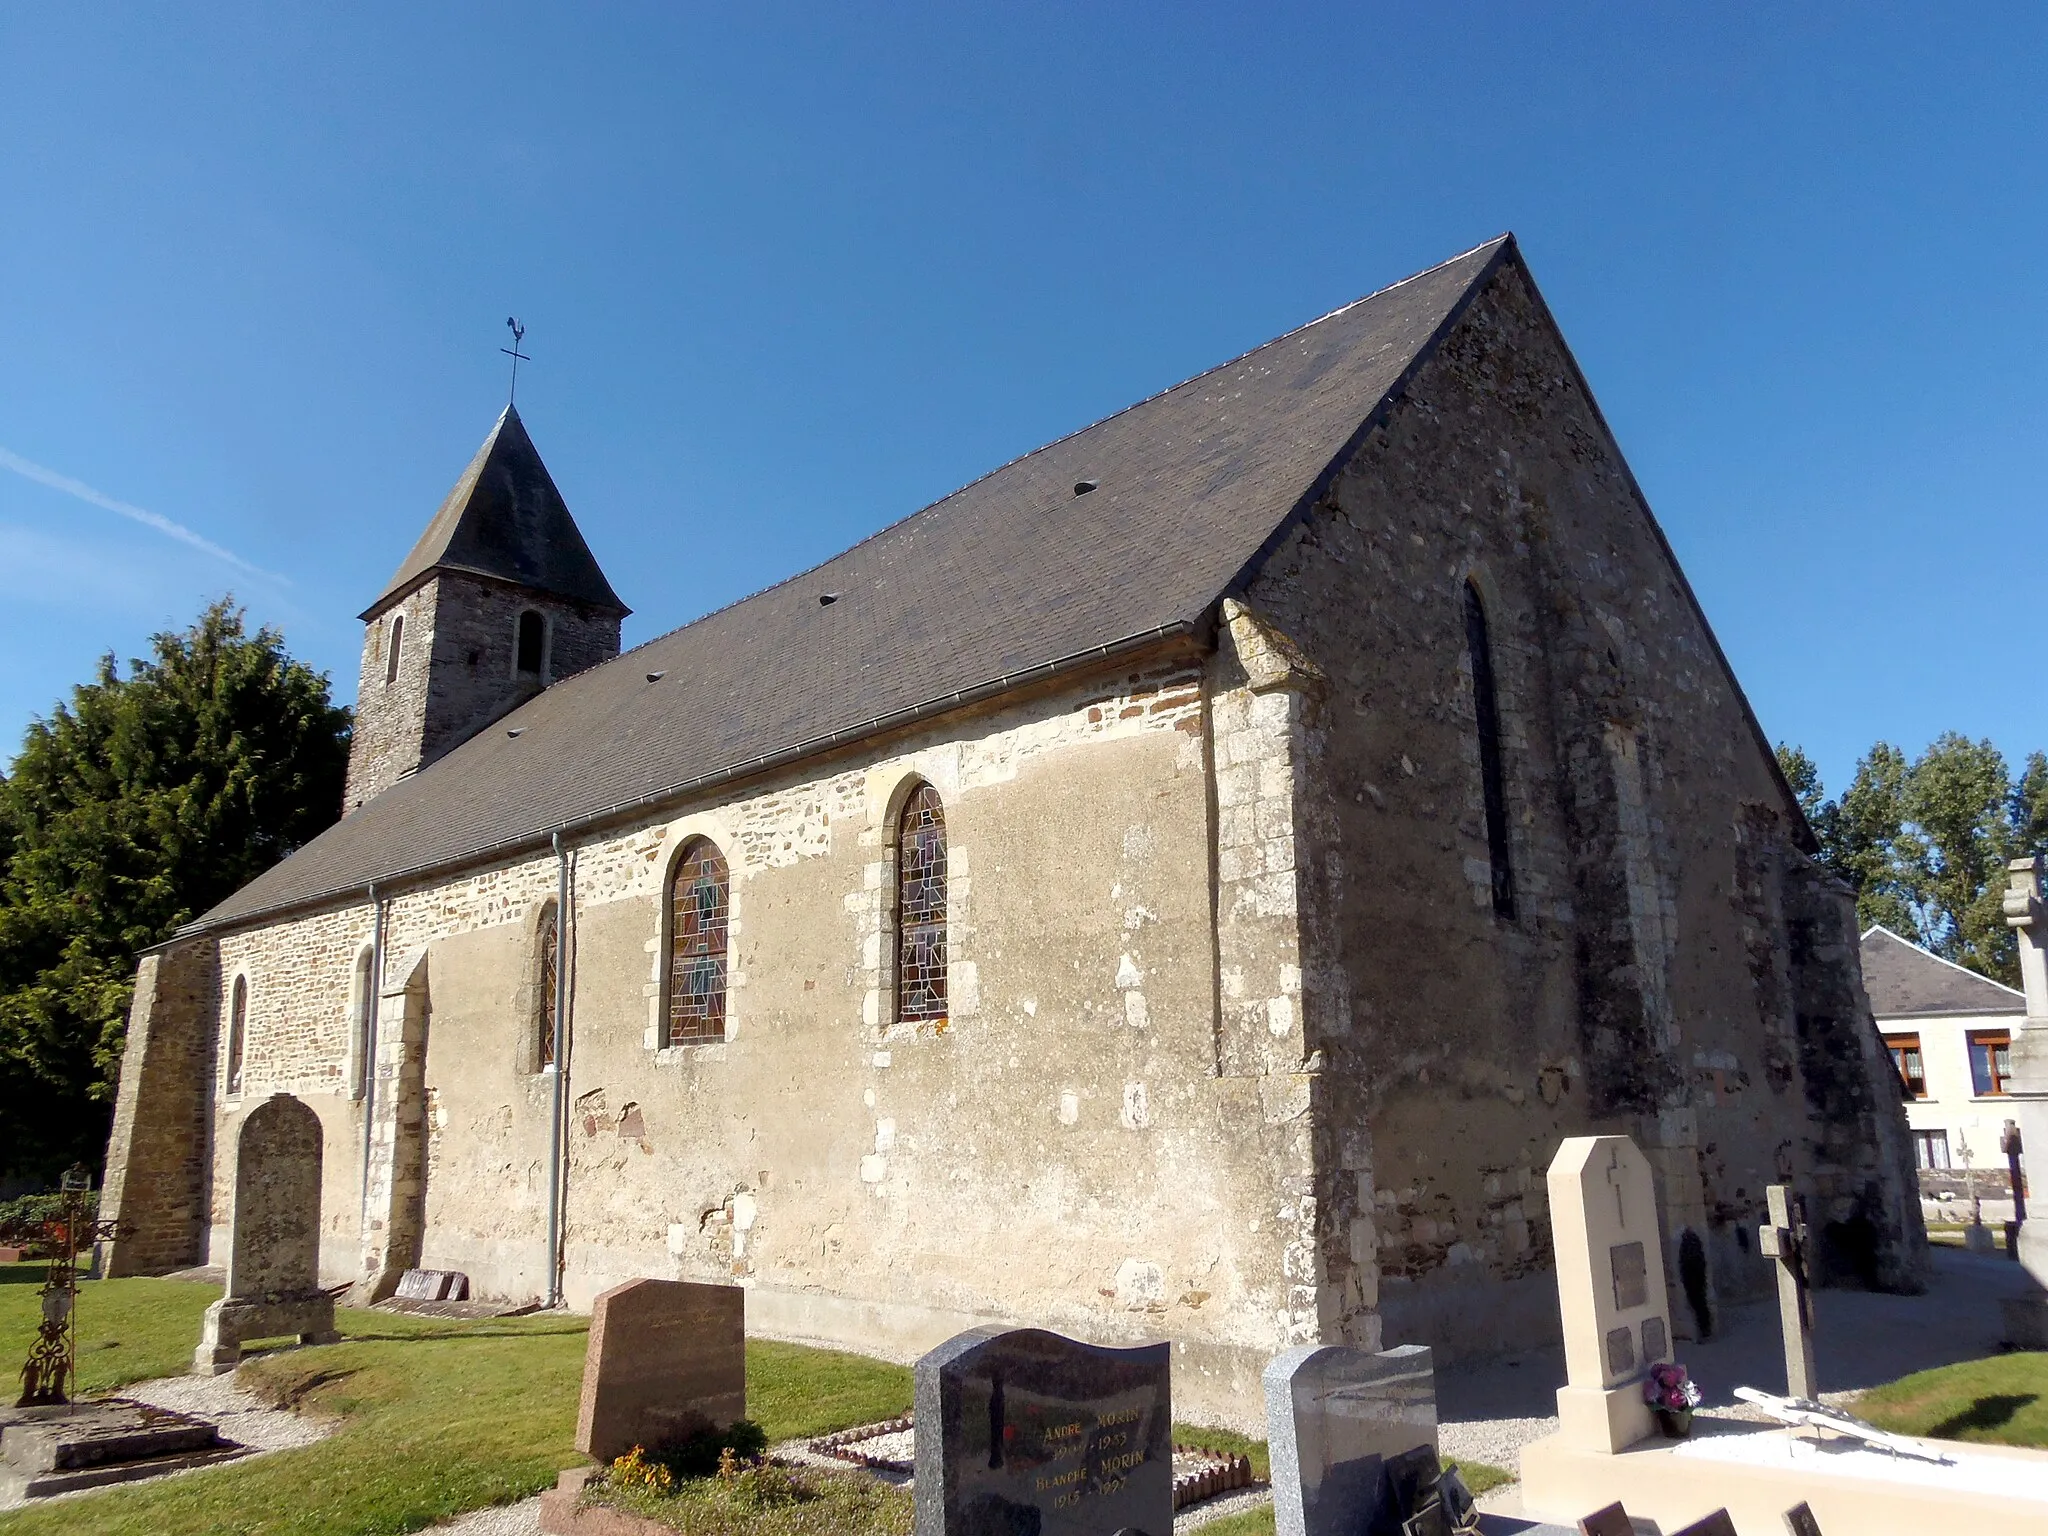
(827, 599)
(655, 677)
(514, 730)
(1083, 487)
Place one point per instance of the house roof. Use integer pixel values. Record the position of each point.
(506, 520)
(1905, 981)
(1016, 576)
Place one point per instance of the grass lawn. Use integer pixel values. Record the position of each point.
(2002, 1400)
(436, 1417)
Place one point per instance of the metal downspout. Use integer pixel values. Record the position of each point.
(561, 1073)
(371, 1005)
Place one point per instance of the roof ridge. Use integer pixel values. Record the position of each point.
(1051, 443)
(1940, 960)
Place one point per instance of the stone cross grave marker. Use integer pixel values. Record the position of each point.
(1025, 1433)
(1784, 1238)
(1347, 1430)
(666, 1358)
(273, 1287)
(1610, 1288)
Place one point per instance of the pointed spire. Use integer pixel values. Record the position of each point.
(506, 520)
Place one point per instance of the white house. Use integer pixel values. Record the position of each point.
(1950, 1034)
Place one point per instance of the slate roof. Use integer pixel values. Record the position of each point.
(1012, 577)
(505, 519)
(1905, 981)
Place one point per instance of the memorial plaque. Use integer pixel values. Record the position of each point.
(1656, 1340)
(1025, 1433)
(1343, 1426)
(1629, 1275)
(666, 1359)
(1621, 1351)
(1716, 1524)
(1800, 1522)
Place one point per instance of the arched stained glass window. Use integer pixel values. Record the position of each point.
(1493, 786)
(550, 961)
(699, 902)
(921, 907)
(238, 1023)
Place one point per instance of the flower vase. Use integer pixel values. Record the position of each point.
(1675, 1422)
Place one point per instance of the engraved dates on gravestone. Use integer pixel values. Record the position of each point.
(1351, 1436)
(1025, 1433)
(666, 1359)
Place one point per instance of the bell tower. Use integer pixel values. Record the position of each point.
(498, 599)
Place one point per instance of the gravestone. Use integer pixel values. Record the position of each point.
(1610, 1289)
(433, 1285)
(273, 1285)
(1025, 1433)
(1339, 1423)
(1784, 1238)
(666, 1359)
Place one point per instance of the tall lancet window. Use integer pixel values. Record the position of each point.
(549, 986)
(1486, 703)
(238, 1025)
(397, 643)
(699, 904)
(921, 907)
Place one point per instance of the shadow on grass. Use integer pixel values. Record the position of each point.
(1986, 1413)
(23, 1274)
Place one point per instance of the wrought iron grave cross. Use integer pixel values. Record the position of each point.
(52, 1364)
(1785, 1239)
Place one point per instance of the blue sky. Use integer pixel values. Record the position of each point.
(791, 273)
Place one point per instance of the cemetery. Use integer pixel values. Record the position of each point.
(664, 1414)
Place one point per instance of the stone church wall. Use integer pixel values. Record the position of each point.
(1621, 996)
(1066, 1149)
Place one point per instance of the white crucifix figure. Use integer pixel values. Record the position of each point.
(1615, 1177)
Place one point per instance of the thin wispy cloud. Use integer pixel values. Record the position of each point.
(170, 529)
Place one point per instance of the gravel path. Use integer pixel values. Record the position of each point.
(240, 1415)
(521, 1519)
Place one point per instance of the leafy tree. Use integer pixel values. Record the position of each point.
(132, 809)
(1924, 843)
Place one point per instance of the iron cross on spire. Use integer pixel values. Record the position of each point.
(517, 356)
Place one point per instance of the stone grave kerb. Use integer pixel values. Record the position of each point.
(1610, 1289)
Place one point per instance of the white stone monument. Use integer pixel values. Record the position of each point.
(1610, 1289)
(2026, 914)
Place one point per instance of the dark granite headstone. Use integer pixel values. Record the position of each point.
(1352, 1436)
(1025, 1433)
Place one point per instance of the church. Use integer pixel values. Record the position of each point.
(1184, 885)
